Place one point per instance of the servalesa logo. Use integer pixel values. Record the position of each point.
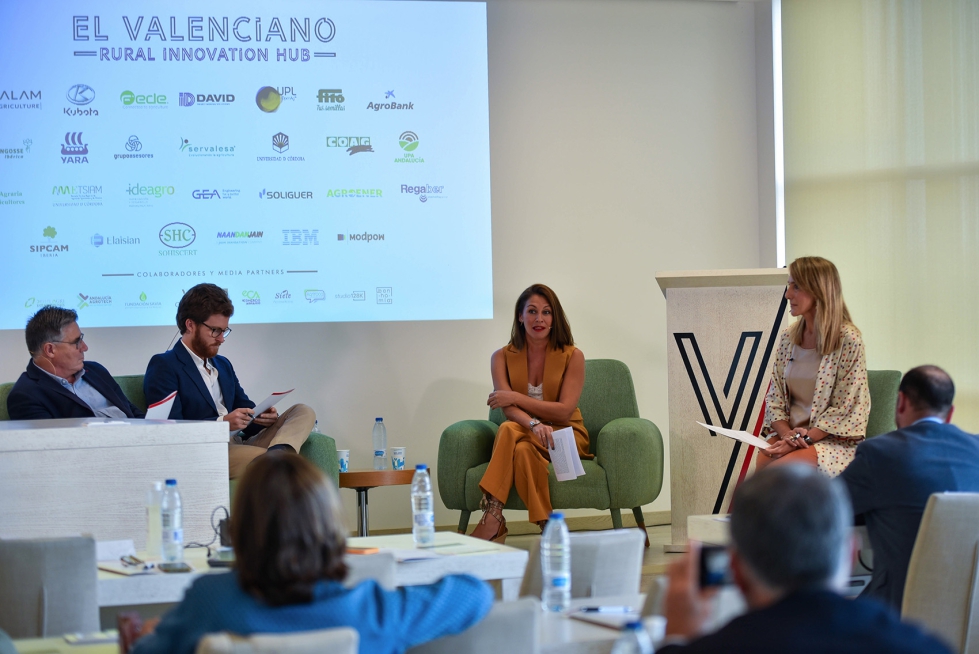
(155, 191)
(285, 195)
(177, 235)
(130, 99)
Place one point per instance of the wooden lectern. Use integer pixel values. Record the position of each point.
(722, 331)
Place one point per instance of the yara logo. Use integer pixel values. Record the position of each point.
(74, 150)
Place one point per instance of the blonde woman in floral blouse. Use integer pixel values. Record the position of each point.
(818, 402)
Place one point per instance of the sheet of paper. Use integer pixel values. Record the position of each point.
(611, 620)
(270, 401)
(742, 436)
(564, 456)
(161, 410)
(403, 555)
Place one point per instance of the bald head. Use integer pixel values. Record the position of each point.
(924, 391)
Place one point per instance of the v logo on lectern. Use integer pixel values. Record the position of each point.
(747, 370)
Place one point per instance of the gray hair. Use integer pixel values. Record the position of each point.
(46, 326)
(791, 525)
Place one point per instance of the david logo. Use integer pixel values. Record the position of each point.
(186, 100)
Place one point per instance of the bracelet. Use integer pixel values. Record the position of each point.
(533, 423)
(808, 440)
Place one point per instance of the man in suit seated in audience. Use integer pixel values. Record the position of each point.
(892, 475)
(59, 382)
(791, 550)
(208, 389)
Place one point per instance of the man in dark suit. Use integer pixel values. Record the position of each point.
(892, 475)
(59, 382)
(791, 549)
(207, 386)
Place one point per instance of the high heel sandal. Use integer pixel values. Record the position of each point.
(494, 507)
(542, 524)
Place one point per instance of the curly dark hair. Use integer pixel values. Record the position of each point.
(201, 302)
(287, 529)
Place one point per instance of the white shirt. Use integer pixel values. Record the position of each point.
(210, 376)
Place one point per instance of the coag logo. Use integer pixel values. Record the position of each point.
(131, 99)
(300, 237)
(205, 194)
(74, 149)
(80, 94)
(280, 142)
(177, 235)
(353, 144)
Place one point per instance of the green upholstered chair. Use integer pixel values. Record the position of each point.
(319, 449)
(627, 471)
(883, 400)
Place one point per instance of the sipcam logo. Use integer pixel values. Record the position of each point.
(49, 248)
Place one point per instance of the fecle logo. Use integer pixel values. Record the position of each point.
(143, 101)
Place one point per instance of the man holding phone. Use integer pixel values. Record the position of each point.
(207, 386)
(790, 555)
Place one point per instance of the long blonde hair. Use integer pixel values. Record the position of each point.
(819, 278)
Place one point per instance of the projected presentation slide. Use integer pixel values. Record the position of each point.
(322, 161)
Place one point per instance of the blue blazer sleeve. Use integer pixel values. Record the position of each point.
(24, 405)
(860, 480)
(160, 380)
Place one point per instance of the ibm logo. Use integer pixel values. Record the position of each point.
(300, 237)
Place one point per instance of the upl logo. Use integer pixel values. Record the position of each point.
(177, 235)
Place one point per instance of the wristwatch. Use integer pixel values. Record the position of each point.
(533, 423)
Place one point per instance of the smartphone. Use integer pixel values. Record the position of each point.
(715, 566)
(175, 566)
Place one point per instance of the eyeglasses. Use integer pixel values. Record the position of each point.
(217, 331)
(77, 342)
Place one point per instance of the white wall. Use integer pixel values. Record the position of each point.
(624, 141)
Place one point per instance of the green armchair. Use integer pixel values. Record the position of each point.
(627, 471)
(883, 385)
(319, 449)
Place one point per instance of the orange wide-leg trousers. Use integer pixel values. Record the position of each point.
(519, 460)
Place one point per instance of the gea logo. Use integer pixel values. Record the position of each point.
(177, 235)
(129, 98)
(205, 194)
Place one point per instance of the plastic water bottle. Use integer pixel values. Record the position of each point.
(380, 438)
(154, 523)
(555, 559)
(422, 508)
(316, 427)
(634, 640)
(172, 519)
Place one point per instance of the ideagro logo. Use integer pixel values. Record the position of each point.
(142, 195)
(409, 143)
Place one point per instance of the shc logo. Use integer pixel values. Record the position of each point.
(280, 142)
(177, 235)
(80, 94)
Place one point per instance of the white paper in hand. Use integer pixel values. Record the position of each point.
(161, 410)
(742, 436)
(564, 456)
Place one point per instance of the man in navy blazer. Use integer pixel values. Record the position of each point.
(207, 386)
(892, 475)
(791, 550)
(58, 382)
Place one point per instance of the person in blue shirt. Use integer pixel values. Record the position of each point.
(289, 540)
(59, 382)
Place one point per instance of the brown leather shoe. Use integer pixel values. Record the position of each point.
(494, 507)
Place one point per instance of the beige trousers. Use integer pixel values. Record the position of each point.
(292, 428)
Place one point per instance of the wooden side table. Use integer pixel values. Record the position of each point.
(364, 480)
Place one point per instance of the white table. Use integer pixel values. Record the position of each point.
(459, 555)
(561, 634)
(90, 475)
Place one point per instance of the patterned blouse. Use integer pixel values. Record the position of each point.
(841, 405)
